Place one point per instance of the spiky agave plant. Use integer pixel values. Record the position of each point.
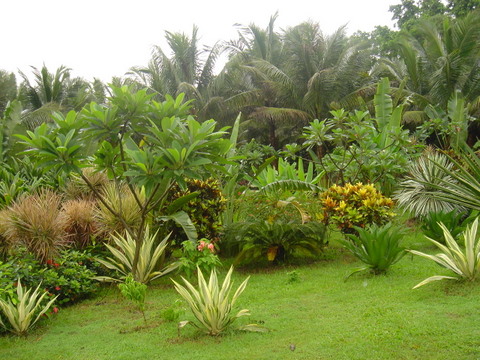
(23, 313)
(465, 263)
(211, 305)
(148, 263)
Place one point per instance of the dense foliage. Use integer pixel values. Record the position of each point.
(325, 129)
(355, 205)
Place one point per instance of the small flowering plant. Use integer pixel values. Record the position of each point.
(201, 254)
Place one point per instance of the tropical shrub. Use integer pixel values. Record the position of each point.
(204, 203)
(150, 258)
(284, 171)
(200, 255)
(211, 304)
(356, 205)
(77, 188)
(418, 191)
(37, 222)
(378, 247)
(69, 277)
(278, 241)
(23, 176)
(465, 263)
(253, 154)
(25, 309)
(276, 203)
(461, 185)
(5, 243)
(364, 149)
(144, 144)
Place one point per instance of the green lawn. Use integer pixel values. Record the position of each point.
(320, 317)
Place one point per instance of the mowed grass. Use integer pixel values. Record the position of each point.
(317, 317)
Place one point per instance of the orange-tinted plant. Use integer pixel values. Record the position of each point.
(36, 221)
(80, 222)
(355, 205)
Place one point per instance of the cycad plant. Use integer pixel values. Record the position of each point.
(149, 261)
(378, 247)
(23, 312)
(211, 303)
(465, 263)
(280, 241)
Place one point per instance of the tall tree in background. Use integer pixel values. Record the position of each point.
(8, 89)
(459, 8)
(440, 60)
(187, 70)
(300, 80)
(55, 92)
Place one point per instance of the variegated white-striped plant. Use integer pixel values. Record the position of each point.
(211, 305)
(465, 263)
(23, 313)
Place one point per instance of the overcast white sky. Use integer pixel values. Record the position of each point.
(104, 38)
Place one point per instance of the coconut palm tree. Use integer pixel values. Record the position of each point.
(187, 70)
(439, 60)
(8, 89)
(55, 92)
(300, 79)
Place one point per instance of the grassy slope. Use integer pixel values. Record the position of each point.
(323, 317)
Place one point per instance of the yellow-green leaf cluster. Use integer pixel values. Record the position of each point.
(355, 205)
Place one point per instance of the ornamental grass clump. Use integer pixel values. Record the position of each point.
(465, 263)
(37, 222)
(81, 224)
(211, 304)
(355, 205)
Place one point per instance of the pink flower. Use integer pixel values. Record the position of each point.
(55, 310)
(202, 245)
(57, 288)
(211, 247)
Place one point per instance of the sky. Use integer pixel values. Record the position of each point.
(104, 38)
